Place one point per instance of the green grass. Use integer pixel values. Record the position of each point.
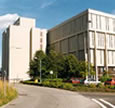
(7, 93)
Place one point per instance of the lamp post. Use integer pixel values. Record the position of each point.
(40, 71)
(51, 72)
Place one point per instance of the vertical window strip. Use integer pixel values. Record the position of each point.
(112, 57)
(108, 57)
(100, 57)
(96, 21)
(100, 22)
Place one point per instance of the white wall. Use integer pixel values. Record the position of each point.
(36, 36)
(19, 52)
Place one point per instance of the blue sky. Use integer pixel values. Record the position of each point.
(48, 13)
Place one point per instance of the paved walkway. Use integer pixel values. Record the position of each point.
(43, 97)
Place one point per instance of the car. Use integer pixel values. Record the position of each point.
(77, 80)
(91, 80)
(110, 82)
(87, 82)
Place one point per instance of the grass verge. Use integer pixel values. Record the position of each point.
(7, 93)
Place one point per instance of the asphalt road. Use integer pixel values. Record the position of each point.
(42, 97)
(107, 99)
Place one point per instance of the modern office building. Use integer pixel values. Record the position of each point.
(90, 36)
(20, 42)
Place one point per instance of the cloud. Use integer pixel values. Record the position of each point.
(7, 19)
(47, 4)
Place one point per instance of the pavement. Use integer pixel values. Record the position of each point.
(43, 97)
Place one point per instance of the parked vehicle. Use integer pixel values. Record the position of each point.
(87, 82)
(110, 82)
(77, 80)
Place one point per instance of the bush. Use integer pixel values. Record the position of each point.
(112, 86)
(104, 78)
(54, 80)
(68, 86)
(81, 85)
(100, 85)
(57, 83)
(92, 85)
(46, 83)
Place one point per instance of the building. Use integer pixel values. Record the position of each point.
(20, 42)
(90, 36)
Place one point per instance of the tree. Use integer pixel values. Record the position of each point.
(56, 62)
(85, 69)
(34, 71)
(70, 67)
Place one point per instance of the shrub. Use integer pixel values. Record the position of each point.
(112, 86)
(68, 86)
(104, 78)
(46, 83)
(57, 83)
(92, 85)
(54, 80)
(100, 85)
(81, 85)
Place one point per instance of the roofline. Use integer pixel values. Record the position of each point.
(101, 13)
(70, 19)
(84, 12)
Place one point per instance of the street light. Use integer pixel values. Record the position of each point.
(51, 72)
(40, 70)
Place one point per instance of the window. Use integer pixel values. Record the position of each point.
(100, 22)
(107, 23)
(41, 34)
(113, 25)
(102, 69)
(112, 57)
(114, 41)
(92, 38)
(108, 57)
(96, 22)
(101, 40)
(101, 57)
(41, 40)
(111, 41)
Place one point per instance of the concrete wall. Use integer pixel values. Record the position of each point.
(19, 52)
(90, 36)
(102, 39)
(38, 40)
(68, 37)
(20, 42)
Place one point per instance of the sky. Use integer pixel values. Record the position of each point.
(47, 13)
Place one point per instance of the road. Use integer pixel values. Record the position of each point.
(43, 97)
(106, 99)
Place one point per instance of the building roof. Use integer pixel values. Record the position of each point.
(82, 13)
